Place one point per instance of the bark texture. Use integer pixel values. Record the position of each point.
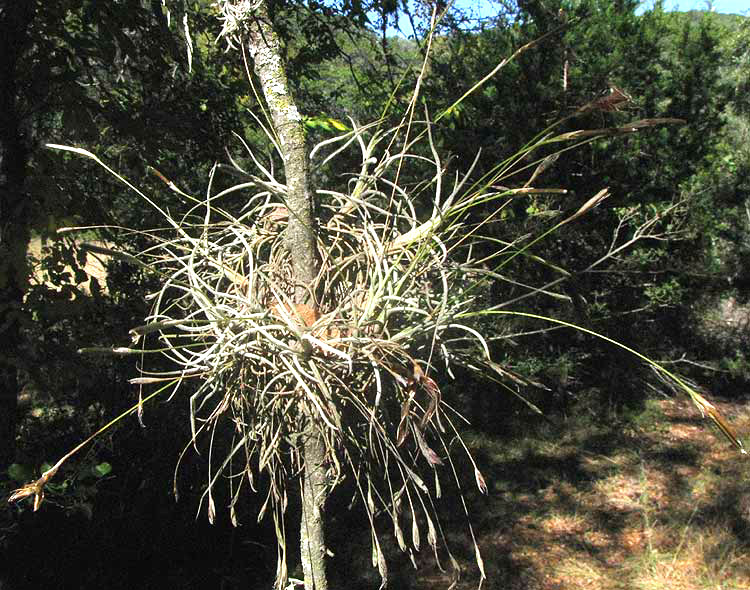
(300, 241)
(312, 531)
(265, 50)
(15, 211)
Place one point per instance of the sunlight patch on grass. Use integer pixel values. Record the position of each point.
(620, 492)
(709, 559)
(584, 574)
(667, 508)
(564, 524)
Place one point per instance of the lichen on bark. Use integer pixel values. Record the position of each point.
(300, 242)
(265, 50)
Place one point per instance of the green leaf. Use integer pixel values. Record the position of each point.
(325, 124)
(102, 469)
(337, 125)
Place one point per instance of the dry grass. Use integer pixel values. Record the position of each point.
(656, 508)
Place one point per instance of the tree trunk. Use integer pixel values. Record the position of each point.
(265, 50)
(15, 211)
(300, 241)
(312, 532)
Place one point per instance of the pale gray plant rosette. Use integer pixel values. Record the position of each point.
(361, 359)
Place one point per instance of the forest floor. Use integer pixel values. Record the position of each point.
(663, 502)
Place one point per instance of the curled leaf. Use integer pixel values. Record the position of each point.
(588, 205)
(403, 425)
(427, 452)
(708, 409)
(429, 385)
(211, 509)
(35, 488)
(610, 102)
(28, 490)
(481, 484)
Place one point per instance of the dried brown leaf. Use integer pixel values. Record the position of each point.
(707, 408)
(403, 425)
(481, 484)
(424, 448)
(588, 205)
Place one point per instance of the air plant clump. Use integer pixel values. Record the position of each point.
(398, 301)
(399, 293)
(359, 360)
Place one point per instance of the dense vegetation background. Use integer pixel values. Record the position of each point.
(114, 78)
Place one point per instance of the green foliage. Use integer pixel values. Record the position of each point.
(323, 123)
(666, 293)
(738, 366)
(101, 470)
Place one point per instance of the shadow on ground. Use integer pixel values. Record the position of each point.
(656, 502)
